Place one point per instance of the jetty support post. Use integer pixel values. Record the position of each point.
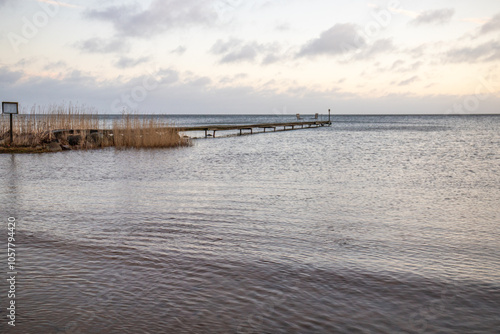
(249, 128)
(329, 116)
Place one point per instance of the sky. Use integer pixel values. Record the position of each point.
(253, 57)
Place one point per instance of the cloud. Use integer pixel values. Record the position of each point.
(234, 78)
(200, 82)
(161, 16)
(167, 76)
(339, 39)
(24, 62)
(489, 51)
(246, 52)
(126, 62)
(397, 64)
(412, 67)
(55, 65)
(344, 39)
(381, 46)
(185, 98)
(270, 59)
(180, 50)
(99, 45)
(8, 77)
(235, 50)
(221, 47)
(492, 25)
(81, 86)
(418, 51)
(79, 77)
(161, 76)
(282, 27)
(438, 16)
(378, 47)
(408, 81)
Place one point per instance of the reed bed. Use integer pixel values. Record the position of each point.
(135, 132)
(35, 127)
(79, 127)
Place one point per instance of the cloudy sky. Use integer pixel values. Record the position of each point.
(262, 56)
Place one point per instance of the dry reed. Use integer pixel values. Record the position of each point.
(130, 131)
(39, 127)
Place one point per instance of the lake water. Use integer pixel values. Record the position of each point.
(377, 224)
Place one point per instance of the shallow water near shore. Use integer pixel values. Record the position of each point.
(377, 224)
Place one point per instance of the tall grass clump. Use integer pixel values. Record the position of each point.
(131, 131)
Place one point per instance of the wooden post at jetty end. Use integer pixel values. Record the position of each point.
(329, 116)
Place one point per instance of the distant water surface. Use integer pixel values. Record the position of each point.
(377, 224)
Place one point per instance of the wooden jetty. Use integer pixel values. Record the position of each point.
(222, 127)
(250, 127)
(214, 128)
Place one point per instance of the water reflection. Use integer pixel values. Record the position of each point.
(10, 194)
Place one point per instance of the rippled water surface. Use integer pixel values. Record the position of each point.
(378, 224)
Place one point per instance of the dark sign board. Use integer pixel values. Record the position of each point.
(10, 107)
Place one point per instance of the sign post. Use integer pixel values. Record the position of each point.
(10, 108)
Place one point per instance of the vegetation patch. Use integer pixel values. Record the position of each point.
(62, 127)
